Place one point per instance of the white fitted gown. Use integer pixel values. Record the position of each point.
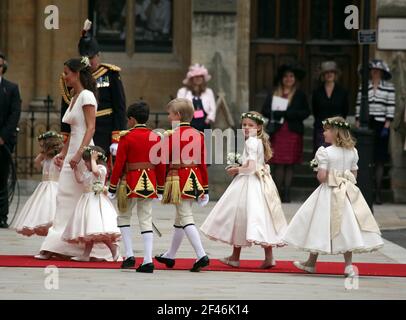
(69, 191)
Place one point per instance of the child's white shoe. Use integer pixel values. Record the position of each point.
(229, 262)
(301, 266)
(349, 271)
(81, 259)
(43, 256)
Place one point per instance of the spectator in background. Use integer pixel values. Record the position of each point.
(286, 108)
(202, 97)
(10, 110)
(328, 100)
(382, 99)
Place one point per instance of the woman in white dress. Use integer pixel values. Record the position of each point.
(81, 116)
(95, 218)
(249, 212)
(335, 219)
(38, 213)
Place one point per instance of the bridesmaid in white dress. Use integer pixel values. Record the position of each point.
(249, 212)
(95, 218)
(81, 116)
(38, 213)
(335, 219)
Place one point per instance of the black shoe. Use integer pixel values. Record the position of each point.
(203, 262)
(286, 196)
(378, 199)
(128, 263)
(168, 262)
(3, 224)
(146, 268)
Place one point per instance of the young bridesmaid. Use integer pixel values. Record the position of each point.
(95, 218)
(335, 219)
(38, 213)
(249, 212)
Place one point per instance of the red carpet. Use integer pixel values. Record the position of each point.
(330, 268)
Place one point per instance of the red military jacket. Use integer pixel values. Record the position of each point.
(139, 146)
(185, 145)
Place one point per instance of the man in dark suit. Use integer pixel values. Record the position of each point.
(10, 109)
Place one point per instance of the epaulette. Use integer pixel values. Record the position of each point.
(111, 67)
(168, 133)
(103, 69)
(66, 94)
(123, 133)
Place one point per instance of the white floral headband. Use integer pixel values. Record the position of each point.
(49, 134)
(337, 124)
(100, 156)
(253, 116)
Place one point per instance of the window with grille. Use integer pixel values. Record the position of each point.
(145, 25)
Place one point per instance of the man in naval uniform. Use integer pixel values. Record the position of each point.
(111, 112)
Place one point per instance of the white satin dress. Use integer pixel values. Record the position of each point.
(311, 227)
(243, 217)
(38, 213)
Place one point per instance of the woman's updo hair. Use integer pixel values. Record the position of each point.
(83, 67)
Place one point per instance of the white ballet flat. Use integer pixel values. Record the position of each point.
(42, 256)
(229, 262)
(81, 259)
(300, 266)
(349, 271)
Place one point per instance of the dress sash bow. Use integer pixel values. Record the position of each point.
(272, 199)
(343, 185)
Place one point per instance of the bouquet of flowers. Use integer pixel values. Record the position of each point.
(314, 164)
(234, 160)
(98, 187)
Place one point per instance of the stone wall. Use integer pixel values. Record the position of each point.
(397, 63)
(220, 41)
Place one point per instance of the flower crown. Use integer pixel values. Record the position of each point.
(253, 116)
(337, 124)
(49, 134)
(100, 156)
(85, 61)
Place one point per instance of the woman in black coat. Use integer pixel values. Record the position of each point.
(285, 127)
(328, 100)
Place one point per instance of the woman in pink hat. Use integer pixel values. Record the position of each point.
(196, 90)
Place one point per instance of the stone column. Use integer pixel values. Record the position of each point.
(397, 63)
(3, 25)
(43, 53)
(243, 54)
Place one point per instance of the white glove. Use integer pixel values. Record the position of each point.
(203, 201)
(113, 148)
(160, 197)
(111, 196)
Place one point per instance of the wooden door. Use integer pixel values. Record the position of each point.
(307, 32)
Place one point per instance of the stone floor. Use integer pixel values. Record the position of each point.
(30, 283)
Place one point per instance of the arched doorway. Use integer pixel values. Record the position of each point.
(308, 32)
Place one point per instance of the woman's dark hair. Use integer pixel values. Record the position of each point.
(139, 111)
(101, 159)
(86, 77)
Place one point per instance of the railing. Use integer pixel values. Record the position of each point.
(39, 120)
